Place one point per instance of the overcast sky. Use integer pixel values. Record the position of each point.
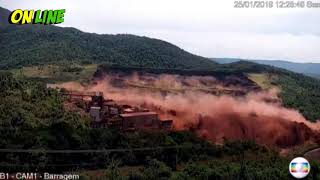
(210, 28)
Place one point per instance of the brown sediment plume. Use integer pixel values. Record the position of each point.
(257, 115)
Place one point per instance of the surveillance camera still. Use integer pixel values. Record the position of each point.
(159, 89)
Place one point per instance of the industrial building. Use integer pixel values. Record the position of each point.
(106, 113)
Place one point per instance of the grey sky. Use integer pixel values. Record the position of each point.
(208, 28)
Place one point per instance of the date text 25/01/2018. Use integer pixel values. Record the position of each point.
(271, 4)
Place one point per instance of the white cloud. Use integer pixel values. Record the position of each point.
(209, 28)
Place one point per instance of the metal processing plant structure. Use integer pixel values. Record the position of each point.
(106, 113)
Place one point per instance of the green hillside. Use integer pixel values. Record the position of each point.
(34, 45)
(310, 69)
(301, 93)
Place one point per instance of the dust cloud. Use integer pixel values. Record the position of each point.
(199, 104)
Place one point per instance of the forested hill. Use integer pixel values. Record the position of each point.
(3, 15)
(33, 45)
(311, 69)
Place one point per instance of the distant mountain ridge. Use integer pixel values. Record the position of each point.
(311, 69)
(26, 45)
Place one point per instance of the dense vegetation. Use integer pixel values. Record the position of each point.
(300, 92)
(267, 166)
(34, 45)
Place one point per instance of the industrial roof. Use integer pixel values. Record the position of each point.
(138, 114)
(80, 93)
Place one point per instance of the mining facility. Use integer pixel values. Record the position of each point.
(106, 113)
